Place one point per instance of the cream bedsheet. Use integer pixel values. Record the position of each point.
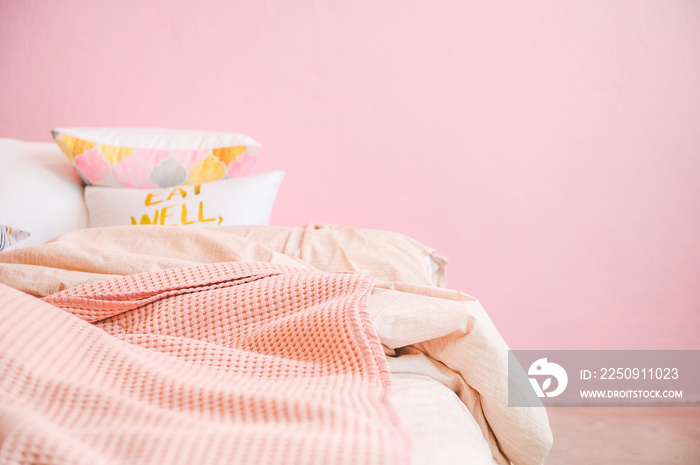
(441, 344)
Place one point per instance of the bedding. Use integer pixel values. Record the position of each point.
(149, 157)
(233, 383)
(448, 364)
(386, 255)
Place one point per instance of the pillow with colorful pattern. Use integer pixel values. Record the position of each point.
(148, 158)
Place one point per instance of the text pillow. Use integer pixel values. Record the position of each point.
(150, 158)
(238, 201)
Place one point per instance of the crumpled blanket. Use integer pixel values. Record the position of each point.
(245, 363)
(427, 331)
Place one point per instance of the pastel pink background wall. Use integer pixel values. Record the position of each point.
(550, 149)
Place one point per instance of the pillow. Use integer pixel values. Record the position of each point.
(151, 158)
(40, 192)
(238, 201)
(11, 238)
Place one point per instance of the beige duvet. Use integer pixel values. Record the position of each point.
(448, 361)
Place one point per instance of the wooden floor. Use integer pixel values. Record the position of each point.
(625, 435)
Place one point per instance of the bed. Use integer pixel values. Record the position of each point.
(238, 343)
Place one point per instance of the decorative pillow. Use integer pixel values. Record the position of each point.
(238, 201)
(11, 238)
(150, 158)
(40, 191)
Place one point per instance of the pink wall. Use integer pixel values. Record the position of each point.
(550, 149)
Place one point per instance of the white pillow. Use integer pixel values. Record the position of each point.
(230, 202)
(39, 191)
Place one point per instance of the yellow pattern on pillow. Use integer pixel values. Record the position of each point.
(73, 147)
(210, 169)
(114, 154)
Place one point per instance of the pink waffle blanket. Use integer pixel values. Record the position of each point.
(231, 363)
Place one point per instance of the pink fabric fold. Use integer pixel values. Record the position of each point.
(235, 363)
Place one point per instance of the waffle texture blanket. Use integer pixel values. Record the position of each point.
(231, 363)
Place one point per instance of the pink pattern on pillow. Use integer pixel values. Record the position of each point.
(241, 167)
(190, 158)
(92, 165)
(130, 172)
(151, 157)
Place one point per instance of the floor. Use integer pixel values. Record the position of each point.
(625, 435)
